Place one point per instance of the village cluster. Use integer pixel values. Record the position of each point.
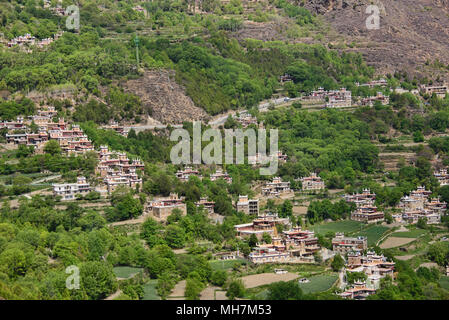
(343, 98)
(29, 40)
(289, 244)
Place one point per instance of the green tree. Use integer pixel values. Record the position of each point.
(438, 252)
(175, 236)
(193, 289)
(236, 289)
(286, 209)
(219, 277)
(97, 279)
(337, 263)
(284, 291)
(13, 262)
(266, 237)
(252, 242)
(151, 232)
(52, 147)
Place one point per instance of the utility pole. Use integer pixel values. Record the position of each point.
(136, 41)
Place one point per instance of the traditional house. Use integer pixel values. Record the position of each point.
(206, 204)
(358, 291)
(374, 83)
(339, 99)
(118, 170)
(247, 206)
(292, 246)
(219, 174)
(442, 176)
(418, 205)
(276, 188)
(361, 199)
(262, 224)
(68, 191)
(185, 174)
(312, 183)
(367, 213)
(369, 101)
(439, 90)
(343, 245)
(163, 207)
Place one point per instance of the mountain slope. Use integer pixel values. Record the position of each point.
(410, 34)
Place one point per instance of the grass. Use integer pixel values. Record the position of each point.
(444, 282)
(415, 233)
(373, 233)
(150, 292)
(225, 264)
(263, 295)
(346, 226)
(126, 272)
(319, 283)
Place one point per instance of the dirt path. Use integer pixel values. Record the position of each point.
(429, 265)
(404, 258)
(209, 294)
(178, 290)
(15, 202)
(138, 220)
(46, 179)
(300, 210)
(114, 295)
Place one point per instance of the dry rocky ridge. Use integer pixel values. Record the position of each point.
(159, 92)
(411, 32)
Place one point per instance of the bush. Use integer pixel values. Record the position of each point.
(219, 278)
(337, 263)
(285, 291)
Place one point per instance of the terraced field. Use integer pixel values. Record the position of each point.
(225, 264)
(345, 226)
(373, 233)
(444, 282)
(409, 234)
(125, 272)
(150, 292)
(393, 242)
(319, 283)
(261, 279)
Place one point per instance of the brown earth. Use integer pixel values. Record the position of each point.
(210, 294)
(178, 290)
(261, 279)
(393, 242)
(404, 258)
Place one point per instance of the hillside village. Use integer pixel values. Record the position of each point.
(357, 208)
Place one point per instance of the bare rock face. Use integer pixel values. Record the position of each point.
(323, 6)
(410, 33)
(159, 92)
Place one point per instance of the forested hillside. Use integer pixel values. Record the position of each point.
(95, 107)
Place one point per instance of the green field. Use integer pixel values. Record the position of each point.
(374, 233)
(318, 283)
(415, 233)
(225, 264)
(150, 292)
(126, 272)
(444, 282)
(345, 226)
